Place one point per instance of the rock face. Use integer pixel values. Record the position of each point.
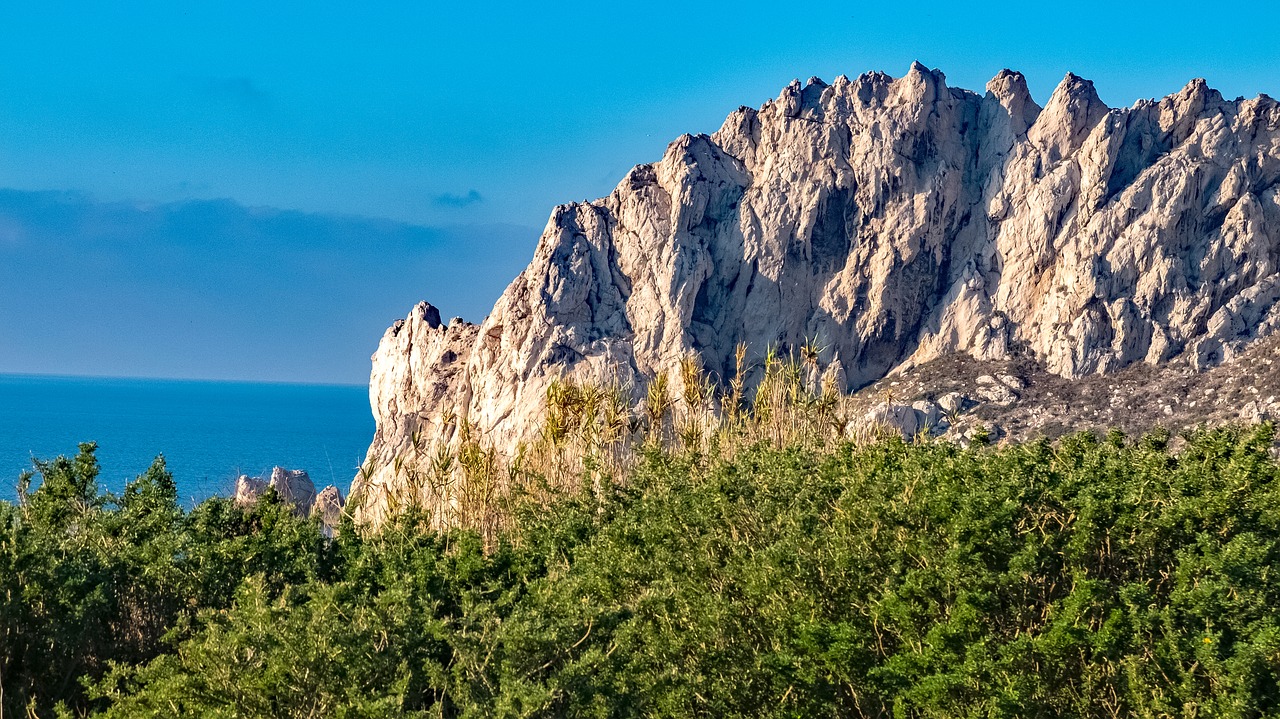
(895, 221)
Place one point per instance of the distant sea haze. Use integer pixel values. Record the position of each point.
(208, 432)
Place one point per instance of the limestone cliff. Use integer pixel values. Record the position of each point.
(895, 220)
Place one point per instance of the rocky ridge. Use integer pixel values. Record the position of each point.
(896, 222)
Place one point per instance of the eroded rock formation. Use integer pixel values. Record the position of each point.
(894, 220)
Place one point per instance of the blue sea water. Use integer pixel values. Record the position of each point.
(209, 432)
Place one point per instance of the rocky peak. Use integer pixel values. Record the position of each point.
(871, 88)
(429, 314)
(920, 85)
(1009, 89)
(1072, 112)
(912, 222)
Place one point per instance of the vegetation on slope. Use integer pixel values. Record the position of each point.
(1089, 577)
(597, 432)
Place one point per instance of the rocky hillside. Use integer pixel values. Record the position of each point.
(894, 223)
(1015, 398)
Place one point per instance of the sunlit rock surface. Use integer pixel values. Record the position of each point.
(895, 220)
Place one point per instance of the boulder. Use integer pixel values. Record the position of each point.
(952, 403)
(1013, 382)
(248, 489)
(929, 414)
(897, 417)
(328, 508)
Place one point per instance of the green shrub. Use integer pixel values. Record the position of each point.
(1088, 577)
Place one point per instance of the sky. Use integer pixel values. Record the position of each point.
(446, 131)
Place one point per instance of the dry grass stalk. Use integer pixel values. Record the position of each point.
(593, 434)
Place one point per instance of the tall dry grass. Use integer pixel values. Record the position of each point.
(593, 435)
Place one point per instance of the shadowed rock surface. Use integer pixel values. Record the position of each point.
(896, 221)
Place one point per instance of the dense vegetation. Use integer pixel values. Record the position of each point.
(1088, 577)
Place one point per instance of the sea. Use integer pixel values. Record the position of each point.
(209, 432)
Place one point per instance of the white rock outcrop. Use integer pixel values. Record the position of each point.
(328, 508)
(894, 219)
(248, 489)
(294, 486)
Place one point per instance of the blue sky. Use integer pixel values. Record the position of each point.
(459, 119)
